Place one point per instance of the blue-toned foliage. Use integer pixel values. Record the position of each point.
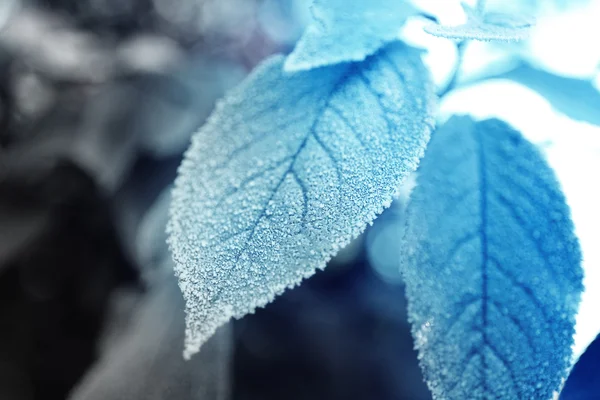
(492, 266)
(584, 380)
(486, 27)
(287, 171)
(348, 30)
(576, 98)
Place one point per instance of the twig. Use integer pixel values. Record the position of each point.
(481, 6)
(430, 17)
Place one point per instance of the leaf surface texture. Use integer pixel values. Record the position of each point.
(492, 266)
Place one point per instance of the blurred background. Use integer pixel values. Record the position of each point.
(98, 100)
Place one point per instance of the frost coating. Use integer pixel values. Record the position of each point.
(492, 268)
(486, 27)
(287, 171)
(348, 30)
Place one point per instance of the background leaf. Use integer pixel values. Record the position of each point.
(144, 362)
(140, 348)
(286, 172)
(348, 30)
(493, 268)
(565, 94)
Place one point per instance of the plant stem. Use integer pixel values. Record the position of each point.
(452, 82)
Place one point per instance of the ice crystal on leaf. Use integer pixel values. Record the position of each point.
(486, 27)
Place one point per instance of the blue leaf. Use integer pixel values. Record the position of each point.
(492, 270)
(576, 98)
(348, 30)
(584, 380)
(286, 172)
(486, 27)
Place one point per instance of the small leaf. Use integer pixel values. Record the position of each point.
(286, 172)
(486, 27)
(492, 271)
(348, 30)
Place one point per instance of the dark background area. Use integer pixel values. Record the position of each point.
(98, 99)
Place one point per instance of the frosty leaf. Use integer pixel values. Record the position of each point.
(492, 269)
(486, 27)
(348, 30)
(287, 171)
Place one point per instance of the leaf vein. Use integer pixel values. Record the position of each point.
(304, 191)
(311, 133)
(523, 225)
(250, 179)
